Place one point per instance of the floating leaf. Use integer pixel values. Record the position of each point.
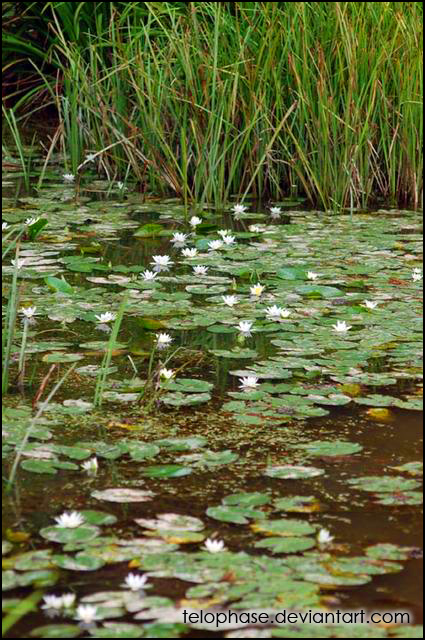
(286, 545)
(292, 472)
(123, 495)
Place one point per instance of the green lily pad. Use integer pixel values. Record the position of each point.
(237, 515)
(63, 535)
(123, 495)
(166, 471)
(293, 472)
(286, 545)
(330, 448)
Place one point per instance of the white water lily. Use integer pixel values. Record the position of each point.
(214, 546)
(91, 466)
(104, 318)
(249, 383)
(324, 537)
(190, 253)
(224, 232)
(275, 212)
(244, 327)
(90, 157)
(28, 312)
(52, 602)
(86, 613)
(256, 290)
(70, 520)
(165, 373)
(215, 244)
(230, 300)
(149, 275)
(18, 263)
(30, 221)
(68, 600)
(120, 186)
(417, 275)
(370, 304)
(341, 326)
(135, 582)
(161, 262)
(239, 208)
(179, 239)
(199, 270)
(163, 340)
(194, 221)
(229, 239)
(68, 177)
(274, 311)
(4, 226)
(255, 228)
(311, 275)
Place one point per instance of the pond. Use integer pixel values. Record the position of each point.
(241, 430)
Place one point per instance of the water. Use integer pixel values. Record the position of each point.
(370, 257)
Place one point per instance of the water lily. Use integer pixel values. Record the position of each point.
(28, 312)
(417, 275)
(161, 262)
(190, 253)
(179, 239)
(257, 289)
(199, 270)
(194, 221)
(214, 546)
(135, 582)
(18, 263)
(68, 177)
(370, 304)
(106, 317)
(244, 327)
(229, 239)
(30, 221)
(249, 383)
(224, 232)
(120, 186)
(166, 374)
(90, 157)
(68, 600)
(86, 613)
(91, 466)
(238, 209)
(341, 326)
(312, 276)
(149, 275)
(324, 537)
(215, 244)
(274, 312)
(70, 520)
(255, 228)
(163, 340)
(4, 226)
(275, 212)
(230, 300)
(52, 602)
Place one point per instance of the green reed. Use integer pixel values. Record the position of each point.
(212, 100)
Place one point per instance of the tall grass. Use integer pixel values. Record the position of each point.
(213, 99)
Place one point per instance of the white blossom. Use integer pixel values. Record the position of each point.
(341, 326)
(91, 466)
(324, 537)
(230, 300)
(249, 383)
(68, 177)
(257, 289)
(28, 312)
(213, 245)
(149, 275)
(194, 221)
(199, 270)
(163, 340)
(135, 582)
(106, 317)
(239, 208)
(190, 253)
(165, 373)
(86, 613)
(70, 520)
(214, 546)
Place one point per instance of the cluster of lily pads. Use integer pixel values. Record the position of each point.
(297, 315)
